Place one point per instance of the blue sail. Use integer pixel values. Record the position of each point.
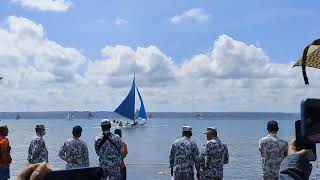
(126, 108)
(142, 111)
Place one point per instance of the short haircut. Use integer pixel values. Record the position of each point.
(118, 132)
(106, 127)
(272, 126)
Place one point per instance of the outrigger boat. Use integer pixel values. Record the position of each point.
(127, 109)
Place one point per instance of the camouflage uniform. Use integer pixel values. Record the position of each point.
(213, 155)
(273, 151)
(76, 150)
(109, 156)
(184, 155)
(37, 152)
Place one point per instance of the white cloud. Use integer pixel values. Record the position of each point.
(120, 62)
(196, 14)
(46, 5)
(120, 22)
(27, 48)
(40, 74)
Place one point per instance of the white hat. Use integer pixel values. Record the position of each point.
(105, 121)
(210, 130)
(186, 128)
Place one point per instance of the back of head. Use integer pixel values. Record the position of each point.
(105, 125)
(3, 130)
(40, 129)
(187, 131)
(118, 132)
(272, 126)
(76, 131)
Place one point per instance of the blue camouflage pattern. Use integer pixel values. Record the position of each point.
(273, 151)
(75, 152)
(109, 156)
(213, 156)
(184, 156)
(37, 151)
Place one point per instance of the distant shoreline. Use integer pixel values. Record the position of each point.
(110, 114)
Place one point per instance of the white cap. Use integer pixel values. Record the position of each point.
(210, 130)
(186, 128)
(105, 121)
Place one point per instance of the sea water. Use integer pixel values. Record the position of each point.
(149, 146)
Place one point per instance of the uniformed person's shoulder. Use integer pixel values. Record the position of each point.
(116, 138)
(99, 137)
(177, 141)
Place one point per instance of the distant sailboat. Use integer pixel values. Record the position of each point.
(90, 115)
(127, 107)
(70, 116)
(18, 116)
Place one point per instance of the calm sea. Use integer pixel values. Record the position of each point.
(149, 146)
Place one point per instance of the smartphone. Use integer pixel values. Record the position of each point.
(91, 173)
(310, 120)
(302, 144)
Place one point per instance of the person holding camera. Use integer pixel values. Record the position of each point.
(108, 148)
(273, 151)
(296, 165)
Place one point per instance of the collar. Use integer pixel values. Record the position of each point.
(273, 134)
(185, 137)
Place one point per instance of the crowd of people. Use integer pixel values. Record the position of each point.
(279, 161)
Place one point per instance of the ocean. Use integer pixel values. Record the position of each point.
(149, 146)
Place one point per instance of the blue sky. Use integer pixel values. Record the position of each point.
(206, 55)
(281, 28)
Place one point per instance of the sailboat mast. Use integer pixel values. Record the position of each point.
(134, 97)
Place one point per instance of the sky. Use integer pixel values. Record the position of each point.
(204, 55)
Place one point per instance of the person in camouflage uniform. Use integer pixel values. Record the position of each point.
(75, 151)
(184, 155)
(273, 151)
(38, 152)
(213, 156)
(108, 148)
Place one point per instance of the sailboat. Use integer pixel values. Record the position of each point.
(18, 116)
(90, 115)
(70, 116)
(127, 107)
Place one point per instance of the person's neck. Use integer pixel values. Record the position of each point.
(38, 134)
(74, 137)
(213, 138)
(273, 133)
(187, 137)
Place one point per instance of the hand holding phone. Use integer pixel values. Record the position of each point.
(300, 146)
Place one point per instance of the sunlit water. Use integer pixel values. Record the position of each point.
(149, 146)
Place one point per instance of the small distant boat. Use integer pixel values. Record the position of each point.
(18, 116)
(127, 108)
(197, 116)
(90, 115)
(70, 116)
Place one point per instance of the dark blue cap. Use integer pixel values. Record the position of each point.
(77, 129)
